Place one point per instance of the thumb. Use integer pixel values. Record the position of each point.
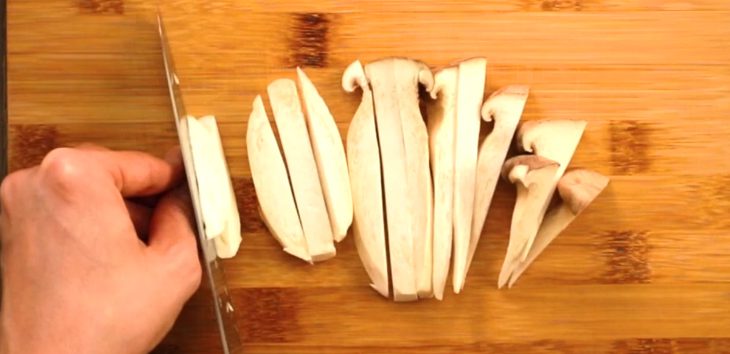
(172, 240)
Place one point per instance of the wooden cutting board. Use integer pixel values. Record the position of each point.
(645, 270)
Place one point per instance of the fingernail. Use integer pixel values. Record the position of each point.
(182, 194)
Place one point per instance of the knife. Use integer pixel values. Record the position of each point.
(230, 339)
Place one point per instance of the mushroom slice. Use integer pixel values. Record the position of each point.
(441, 127)
(415, 137)
(404, 155)
(364, 166)
(302, 168)
(555, 140)
(212, 202)
(229, 240)
(504, 107)
(277, 207)
(577, 188)
(533, 176)
(472, 76)
(330, 157)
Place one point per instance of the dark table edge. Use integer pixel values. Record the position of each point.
(3, 92)
(3, 101)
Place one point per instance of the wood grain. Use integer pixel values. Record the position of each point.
(643, 270)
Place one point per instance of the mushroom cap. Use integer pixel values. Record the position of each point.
(518, 168)
(425, 77)
(421, 73)
(579, 187)
(508, 97)
(354, 76)
(530, 133)
(447, 76)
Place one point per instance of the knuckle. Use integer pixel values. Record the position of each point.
(193, 269)
(6, 187)
(196, 274)
(62, 167)
(6, 190)
(11, 186)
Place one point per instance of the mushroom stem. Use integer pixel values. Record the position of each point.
(578, 188)
(403, 143)
(532, 175)
(441, 126)
(302, 168)
(504, 107)
(330, 157)
(273, 190)
(472, 76)
(556, 140)
(367, 193)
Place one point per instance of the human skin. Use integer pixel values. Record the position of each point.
(77, 275)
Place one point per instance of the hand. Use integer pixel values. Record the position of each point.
(76, 276)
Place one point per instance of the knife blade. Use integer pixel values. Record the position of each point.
(230, 339)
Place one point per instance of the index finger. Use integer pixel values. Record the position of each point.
(137, 174)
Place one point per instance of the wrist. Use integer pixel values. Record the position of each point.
(4, 341)
(15, 341)
(9, 344)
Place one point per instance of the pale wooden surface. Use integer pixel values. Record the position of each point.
(646, 269)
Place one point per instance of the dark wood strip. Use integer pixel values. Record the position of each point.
(627, 257)
(31, 142)
(101, 7)
(268, 315)
(309, 45)
(630, 147)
